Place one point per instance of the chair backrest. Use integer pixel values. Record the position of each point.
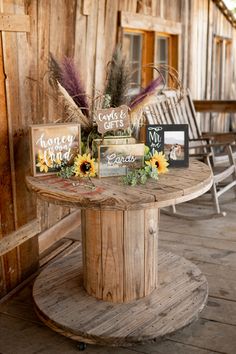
(169, 108)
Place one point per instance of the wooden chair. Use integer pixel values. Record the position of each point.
(168, 108)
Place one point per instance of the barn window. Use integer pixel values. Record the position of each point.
(221, 68)
(132, 46)
(162, 49)
(166, 52)
(147, 47)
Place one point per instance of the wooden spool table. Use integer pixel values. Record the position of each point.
(119, 289)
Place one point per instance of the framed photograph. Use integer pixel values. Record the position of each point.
(172, 139)
(116, 160)
(53, 146)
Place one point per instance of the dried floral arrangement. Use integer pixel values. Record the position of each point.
(80, 108)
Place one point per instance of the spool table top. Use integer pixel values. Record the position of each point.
(176, 186)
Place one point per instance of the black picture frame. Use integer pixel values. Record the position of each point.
(172, 139)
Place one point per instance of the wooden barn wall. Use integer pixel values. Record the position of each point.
(88, 31)
(17, 206)
(205, 21)
(233, 90)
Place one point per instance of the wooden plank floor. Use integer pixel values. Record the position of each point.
(210, 243)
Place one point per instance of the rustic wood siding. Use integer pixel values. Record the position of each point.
(88, 31)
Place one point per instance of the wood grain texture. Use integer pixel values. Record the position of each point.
(134, 261)
(59, 230)
(120, 253)
(19, 63)
(14, 23)
(92, 252)
(151, 249)
(16, 238)
(215, 106)
(63, 305)
(149, 23)
(172, 188)
(87, 31)
(213, 332)
(9, 261)
(6, 200)
(112, 255)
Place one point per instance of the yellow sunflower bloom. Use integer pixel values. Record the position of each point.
(40, 156)
(84, 166)
(42, 166)
(43, 163)
(58, 161)
(159, 161)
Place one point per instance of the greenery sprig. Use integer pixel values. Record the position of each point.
(66, 171)
(140, 176)
(154, 165)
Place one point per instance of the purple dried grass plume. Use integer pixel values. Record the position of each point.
(70, 80)
(149, 90)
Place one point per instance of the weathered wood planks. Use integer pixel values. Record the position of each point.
(224, 106)
(120, 253)
(18, 237)
(64, 306)
(214, 333)
(144, 22)
(14, 23)
(86, 30)
(54, 233)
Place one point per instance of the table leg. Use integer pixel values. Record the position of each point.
(120, 253)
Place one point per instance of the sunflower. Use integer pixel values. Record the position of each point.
(43, 163)
(58, 161)
(159, 161)
(84, 166)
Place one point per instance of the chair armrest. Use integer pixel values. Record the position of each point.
(211, 145)
(227, 136)
(200, 139)
(202, 154)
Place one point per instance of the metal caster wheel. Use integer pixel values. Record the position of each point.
(81, 346)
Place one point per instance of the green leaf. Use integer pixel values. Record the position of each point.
(66, 172)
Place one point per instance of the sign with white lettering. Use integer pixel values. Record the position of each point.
(112, 119)
(155, 138)
(115, 160)
(53, 146)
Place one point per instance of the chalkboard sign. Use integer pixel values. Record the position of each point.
(115, 160)
(53, 146)
(112, 119)
(172, 139)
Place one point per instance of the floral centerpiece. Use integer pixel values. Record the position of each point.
(79, 108)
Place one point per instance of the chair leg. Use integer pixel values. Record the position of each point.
(215, 198)
(232, 162)
(213, 188)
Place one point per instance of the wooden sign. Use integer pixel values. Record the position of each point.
(172, 139)
(116, 160)
(112, 119)
(53, 146)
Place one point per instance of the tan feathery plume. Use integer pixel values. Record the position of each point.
(73, 111)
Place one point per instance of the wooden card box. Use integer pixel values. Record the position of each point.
(116, 160)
